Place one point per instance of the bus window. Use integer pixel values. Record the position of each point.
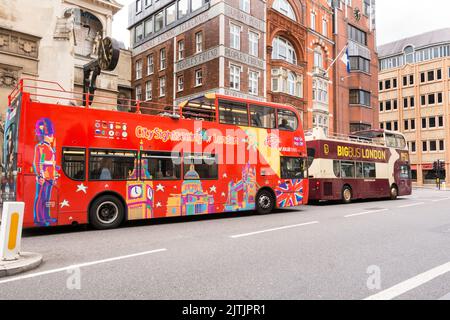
(233, 113)
(370, 171)
(74, 163)
(359, 170)
(107, 165)
(200, 167)
(292, 168)
(347, 169)
(405, 172)
(287, 120)
(262, 117)
(337, 168)
(160, 166)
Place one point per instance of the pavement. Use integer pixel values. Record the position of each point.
(26, 261)
(364, 250)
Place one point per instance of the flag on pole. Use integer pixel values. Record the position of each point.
(345, 60)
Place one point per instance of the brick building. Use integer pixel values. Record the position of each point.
(356, 94)
(186, 48)
(276, 50)
(414, 98)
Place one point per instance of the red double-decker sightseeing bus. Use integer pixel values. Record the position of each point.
(366, 165)
(75, 164)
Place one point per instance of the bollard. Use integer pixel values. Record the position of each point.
(11, 230)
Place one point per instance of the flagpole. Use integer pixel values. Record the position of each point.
(334, 61)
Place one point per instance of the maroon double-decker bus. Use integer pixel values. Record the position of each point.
(367, 165)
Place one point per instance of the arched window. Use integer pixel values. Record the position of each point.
(318, 58)
(285, 8)
(409, 54)
(283, 50)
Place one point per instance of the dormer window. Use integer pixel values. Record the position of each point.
(409, 54)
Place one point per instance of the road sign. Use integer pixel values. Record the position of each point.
(11, 230)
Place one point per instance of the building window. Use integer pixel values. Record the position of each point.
(325, 28)
(244, 5)
(441, 145)
(360, 97)
(320, 91)
(439, 74)
(253, 83)
(381, 106)
(198, 42)
(423, 100)
(387, 84)
(366, 7)
(441, 121)
(357, 35)
(148, 90)
(432, 122)
(183, 8)
(412, 102)
(313, 21)
(439, 98)
(196, 4)
(411, 79)
(235, 77)
(424, 123)
(150, 65)
(361, 64)
(148, 26)
(181, 50)
(406, 125)
(422, 77)
(424, 146)
(394, 83)
(162, 59)
(253, 43)
(198, 77)
(413, 147)
(433, 145)
(283, 50)
(139, 32)
(431, 99)
(380, 86)
(235, 37)
(138, 69)
(138, 93)
(405, 103)
(318, 58)
(284, 8)
(138, 6)
(162, 86)
(159, 21)
(171, 14)
(413, 124)
(430, 75)
(180, 83)
(409, 54)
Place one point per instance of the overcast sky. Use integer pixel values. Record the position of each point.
(396, 19)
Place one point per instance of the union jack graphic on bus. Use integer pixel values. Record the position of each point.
(290, 193)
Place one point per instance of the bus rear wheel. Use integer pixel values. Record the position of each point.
(265, 202)
(394, 193)
(347, 194)
(106, 212)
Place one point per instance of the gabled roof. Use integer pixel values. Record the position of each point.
(419, 41)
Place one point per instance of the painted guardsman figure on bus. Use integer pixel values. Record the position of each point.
(45, 168)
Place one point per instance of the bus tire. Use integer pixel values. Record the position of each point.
(106, 212)
(347, 194)
(394, 192)
(265, 202)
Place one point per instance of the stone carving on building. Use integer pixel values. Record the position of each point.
(8, 77)
(16, 43)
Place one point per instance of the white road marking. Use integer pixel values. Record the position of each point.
(411, 283)
(274, 229)
(81, 265)
(439, 200)
(412, 205)
(364, 213)
(446, 297)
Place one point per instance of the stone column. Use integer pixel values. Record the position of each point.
(419, 175)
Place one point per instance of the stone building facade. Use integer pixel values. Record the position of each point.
(52, 40)
(414, 98)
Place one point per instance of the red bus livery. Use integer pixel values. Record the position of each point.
(367, 165)
(73, 164)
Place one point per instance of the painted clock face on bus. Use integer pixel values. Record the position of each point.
(136, 192)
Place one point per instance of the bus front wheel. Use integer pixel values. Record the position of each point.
(265, 202)
(347, 194)
(394, 193)
(106, 212)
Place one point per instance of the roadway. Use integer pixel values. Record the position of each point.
(330, 251)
